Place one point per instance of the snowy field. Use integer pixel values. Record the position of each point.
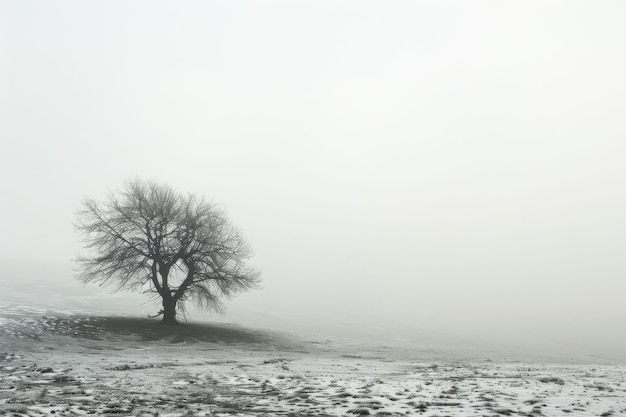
(63, 364)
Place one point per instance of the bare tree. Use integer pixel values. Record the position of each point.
(150, 238)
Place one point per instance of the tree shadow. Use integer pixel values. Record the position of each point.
(111, 328)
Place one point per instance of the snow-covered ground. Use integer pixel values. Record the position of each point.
(55, 363)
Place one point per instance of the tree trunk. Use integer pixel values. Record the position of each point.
(169, 311)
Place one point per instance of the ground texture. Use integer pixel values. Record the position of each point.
(68, 365)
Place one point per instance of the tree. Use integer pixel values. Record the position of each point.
(148, 237)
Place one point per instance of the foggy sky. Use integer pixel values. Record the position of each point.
(453, 165)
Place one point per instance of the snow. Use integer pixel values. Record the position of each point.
(69, 364)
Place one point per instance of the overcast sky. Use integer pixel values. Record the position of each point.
(455, 165)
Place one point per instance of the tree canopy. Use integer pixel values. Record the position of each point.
(148, 237)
